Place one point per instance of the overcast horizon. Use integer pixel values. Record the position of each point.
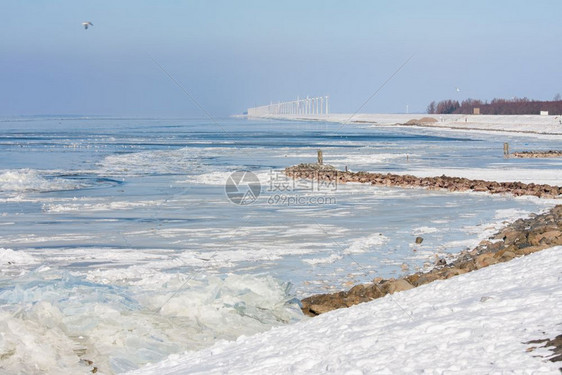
(233, 55)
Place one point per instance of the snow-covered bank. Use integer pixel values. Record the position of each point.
(523, 124)
(473, 323)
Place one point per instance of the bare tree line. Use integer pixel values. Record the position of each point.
(498, 106)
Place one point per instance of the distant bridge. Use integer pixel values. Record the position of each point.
(306, 106)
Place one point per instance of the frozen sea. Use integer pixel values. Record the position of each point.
(120, 246)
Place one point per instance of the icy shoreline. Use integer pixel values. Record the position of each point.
(527, 125)
(461, 317)
(359, 350)
(480, 322)
(520, 238)
(97, 251)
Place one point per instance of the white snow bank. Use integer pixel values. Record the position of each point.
(474, 323)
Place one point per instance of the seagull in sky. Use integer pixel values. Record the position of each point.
(87, 24)
(458, 90)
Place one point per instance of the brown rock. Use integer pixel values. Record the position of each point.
(495, 246)
(358, 290)
(454, 272)
(485, 260)
(321, 309)
(550, 237)
(480, 187)
(419, 240)
(531, 249)
(399, 286)
(504, 255)
(322, 302)
(427, 278)
(512, 236)
(467, 265)
(413, 279)
(354, 299)
(362, 293)
(499, 254)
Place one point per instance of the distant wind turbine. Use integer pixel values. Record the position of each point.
(87, 24)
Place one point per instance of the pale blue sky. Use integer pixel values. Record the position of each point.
(235, 54)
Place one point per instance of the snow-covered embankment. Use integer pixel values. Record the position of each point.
(478, 322)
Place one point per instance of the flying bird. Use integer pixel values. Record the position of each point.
(458, 90)
(87, 24)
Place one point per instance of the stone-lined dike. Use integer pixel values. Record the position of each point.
(329, 173)
(537, 154)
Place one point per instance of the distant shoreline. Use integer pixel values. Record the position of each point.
(512, 124)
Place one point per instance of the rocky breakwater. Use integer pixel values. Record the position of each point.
(522, 237)
(537, 154)
(329, 173)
